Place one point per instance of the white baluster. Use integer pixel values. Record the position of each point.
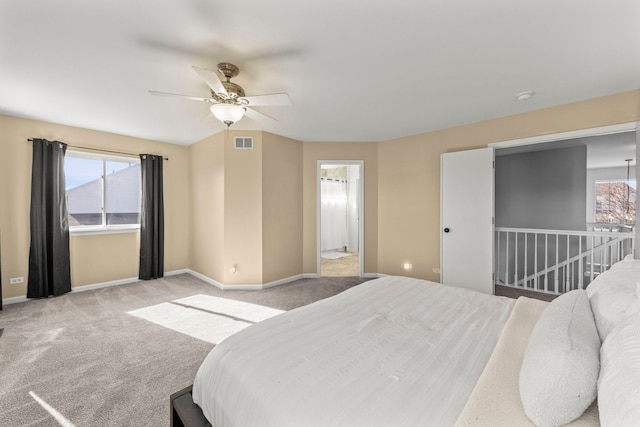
(535, 263)
(515, 263)
(567, 284)
(592, 266)
(580, 264)
(506, 262)
(546, 262)
(556, 280)
(525, 282)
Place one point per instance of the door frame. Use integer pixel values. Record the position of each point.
(583, 133)
(561, 136)
(360, 202)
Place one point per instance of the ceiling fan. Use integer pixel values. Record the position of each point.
(229, 103)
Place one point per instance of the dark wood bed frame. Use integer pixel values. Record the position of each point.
(185, 413)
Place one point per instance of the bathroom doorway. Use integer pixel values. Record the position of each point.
(340, 211)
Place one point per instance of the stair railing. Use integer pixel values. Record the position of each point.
(556, 261)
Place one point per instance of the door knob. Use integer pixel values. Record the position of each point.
(446, 229)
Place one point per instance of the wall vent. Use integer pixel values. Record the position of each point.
(243, 143)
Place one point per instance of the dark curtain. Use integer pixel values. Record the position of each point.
(49, 264)
(151, 218)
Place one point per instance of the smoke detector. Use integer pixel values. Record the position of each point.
(524, 95)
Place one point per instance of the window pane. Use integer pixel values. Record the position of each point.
(616, 201)
(83, 179)
(122, 189)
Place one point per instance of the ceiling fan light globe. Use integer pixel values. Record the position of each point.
(227, 113)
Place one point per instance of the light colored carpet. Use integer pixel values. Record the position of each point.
(82, 356)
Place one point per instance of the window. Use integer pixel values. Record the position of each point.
(103, 192)
(616, 201)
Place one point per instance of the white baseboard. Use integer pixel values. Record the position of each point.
(121, 281)
(364, 275)
(14, 300)
(221, 286)
(100, 285)
(206, 279)
(248, 286)
(176, 272)
(82, 288)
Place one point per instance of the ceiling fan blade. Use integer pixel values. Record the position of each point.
(153, 92)
(274, 99)
(259, 117)
(211, 79)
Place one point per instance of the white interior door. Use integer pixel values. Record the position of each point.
(466, 219)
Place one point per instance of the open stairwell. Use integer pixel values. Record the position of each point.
(556, 261)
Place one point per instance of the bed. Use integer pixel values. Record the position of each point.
(392, 351)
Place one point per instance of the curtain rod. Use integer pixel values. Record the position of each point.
(101, 149)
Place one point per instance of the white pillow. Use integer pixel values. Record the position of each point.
(613, 294)
(559, 373)
(619, 383)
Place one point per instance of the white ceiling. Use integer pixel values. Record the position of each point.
(357, 70)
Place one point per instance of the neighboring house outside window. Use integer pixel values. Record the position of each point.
(103, 192)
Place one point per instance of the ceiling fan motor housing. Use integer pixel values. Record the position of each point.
(234, 90)
(229, 71)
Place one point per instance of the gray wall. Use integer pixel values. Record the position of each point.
(542, 189)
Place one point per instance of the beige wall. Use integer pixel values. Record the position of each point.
(247, 208)
(257, 208)
(94, 258)
(243, 211)
(206, 225)
(314, 151)
(281, 207)
(409, 173)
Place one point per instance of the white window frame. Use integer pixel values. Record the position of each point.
(609, 181)
(104, 228)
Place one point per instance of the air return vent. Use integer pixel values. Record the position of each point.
(243, 143)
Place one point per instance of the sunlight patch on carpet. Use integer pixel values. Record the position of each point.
(205, 317)
(242, 310)
(51, 410)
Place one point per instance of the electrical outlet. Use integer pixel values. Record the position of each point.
(436, 270)
(15, 280)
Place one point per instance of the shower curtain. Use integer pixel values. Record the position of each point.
(333, 212)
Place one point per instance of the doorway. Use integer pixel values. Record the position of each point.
(340, 231)
(489, 225)
(565, 211)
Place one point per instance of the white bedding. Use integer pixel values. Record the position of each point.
(394, 351)
(495, 400)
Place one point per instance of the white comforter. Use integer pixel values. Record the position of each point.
(394, 351)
